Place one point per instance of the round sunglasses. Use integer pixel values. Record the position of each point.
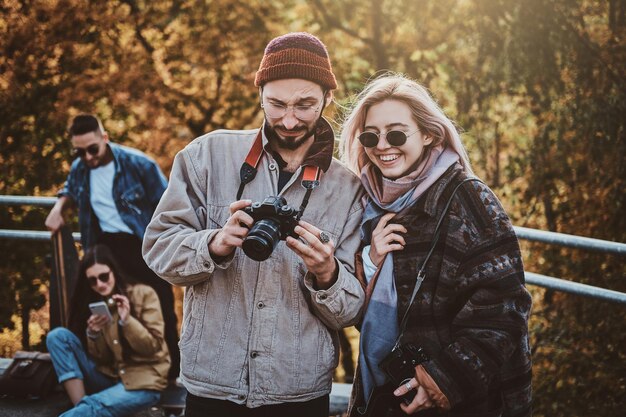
(394, 138)
(92, 150)
(103, 277)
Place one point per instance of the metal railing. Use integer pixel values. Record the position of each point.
(553, 283)
(26, 200)
(20, 200)
(571, 241)
(340, 393)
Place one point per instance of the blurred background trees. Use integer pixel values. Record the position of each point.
(538, 87)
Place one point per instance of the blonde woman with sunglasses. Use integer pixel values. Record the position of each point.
(114, 364)
(445, 328)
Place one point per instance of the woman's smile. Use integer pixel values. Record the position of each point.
(388, 158)
(394, 161)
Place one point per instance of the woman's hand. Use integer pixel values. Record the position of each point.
(421, 401)
(385, 239)
(123, 306)
(96, 323)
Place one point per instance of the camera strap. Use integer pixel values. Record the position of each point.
(249, 168)
(421, 273)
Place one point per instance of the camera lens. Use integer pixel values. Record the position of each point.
(262, 239)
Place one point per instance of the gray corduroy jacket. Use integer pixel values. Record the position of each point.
(254, 333)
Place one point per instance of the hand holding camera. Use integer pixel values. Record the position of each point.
(420, 398)
(318, 253)
(233, 233)
(399, 366)
(258, 227)
(274, 220)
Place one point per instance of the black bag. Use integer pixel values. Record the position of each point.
(31, 374)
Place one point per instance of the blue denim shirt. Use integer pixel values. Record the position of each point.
(137, 188)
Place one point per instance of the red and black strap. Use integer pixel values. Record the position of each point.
(310, 177)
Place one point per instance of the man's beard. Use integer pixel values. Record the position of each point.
(291, 142)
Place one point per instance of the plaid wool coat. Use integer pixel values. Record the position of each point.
(471, 312)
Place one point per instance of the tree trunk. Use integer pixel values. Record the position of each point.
(378, 45)
(496, 169)
(25, 313)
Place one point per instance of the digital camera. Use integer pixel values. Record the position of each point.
(274, 220)
(399, 366)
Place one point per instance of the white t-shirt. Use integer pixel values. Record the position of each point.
(101, 198)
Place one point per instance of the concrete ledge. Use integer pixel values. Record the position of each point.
(51, 406)
(57, 402)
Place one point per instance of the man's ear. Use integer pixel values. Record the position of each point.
(328, 98)
(105, 137)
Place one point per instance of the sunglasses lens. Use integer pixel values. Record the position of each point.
(368, 139)
(93, 149)
(103, 277)
(396, 138)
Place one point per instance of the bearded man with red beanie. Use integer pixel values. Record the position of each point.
(261, 227)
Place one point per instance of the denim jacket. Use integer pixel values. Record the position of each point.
(254, 333)
(137, 188)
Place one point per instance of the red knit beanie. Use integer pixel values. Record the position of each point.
(296, 55)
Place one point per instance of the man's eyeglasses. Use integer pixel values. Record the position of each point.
(103, 277)
(394, 138)
(92, 150)
(302, 112)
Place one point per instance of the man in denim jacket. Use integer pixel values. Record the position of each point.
(116, 190)
(259, 338)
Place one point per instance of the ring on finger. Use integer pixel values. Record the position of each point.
(324, 237)
(408, 386)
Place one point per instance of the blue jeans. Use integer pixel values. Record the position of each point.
(107, 397)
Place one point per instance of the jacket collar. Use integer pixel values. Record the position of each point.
(117, 152)
(320, 153)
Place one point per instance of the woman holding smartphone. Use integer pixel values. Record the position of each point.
(110, 366)
(442, 265)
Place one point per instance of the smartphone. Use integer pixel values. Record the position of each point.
(100, 308)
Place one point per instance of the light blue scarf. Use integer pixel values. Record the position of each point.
(380, 328)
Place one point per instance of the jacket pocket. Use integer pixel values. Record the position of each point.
(217, 216)
(327, 359)
(133, 198)
(191, 328)
(329, 356)
(188, 330)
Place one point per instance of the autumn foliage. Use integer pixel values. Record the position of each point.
(537, 86)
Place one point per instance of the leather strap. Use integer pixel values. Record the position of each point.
(248, 169)
(310, 176)
(421, 273)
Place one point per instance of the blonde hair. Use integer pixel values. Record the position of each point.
(429, 117)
